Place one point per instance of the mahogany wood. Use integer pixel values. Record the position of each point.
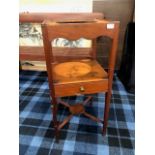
(64, 103)
(112, 60)
(51, 86)
(93, 117)
(66, 120)
(87, 100)
(74, 31)
(73, 82)
(77, 109)
(78, 71)
(40, 17)
(72, 89)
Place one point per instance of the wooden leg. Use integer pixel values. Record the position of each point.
(65, 121)
(55, 122)
(92, 117)
(64, 103)
(87, 100)
(106, 110)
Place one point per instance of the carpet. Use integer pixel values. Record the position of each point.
(81, 136)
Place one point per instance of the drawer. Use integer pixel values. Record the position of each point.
(71, 89)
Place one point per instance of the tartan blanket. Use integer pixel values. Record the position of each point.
(81, 136)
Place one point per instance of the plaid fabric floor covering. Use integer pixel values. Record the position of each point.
(81, 136)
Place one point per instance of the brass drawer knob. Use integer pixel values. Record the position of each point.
(82, 89)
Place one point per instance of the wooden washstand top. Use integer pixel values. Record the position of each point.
(78, 70)
(72, 69)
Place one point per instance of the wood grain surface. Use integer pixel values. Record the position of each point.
(39, 17)
(92, 78)
(78, 71)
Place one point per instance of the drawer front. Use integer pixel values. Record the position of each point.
(71, 89)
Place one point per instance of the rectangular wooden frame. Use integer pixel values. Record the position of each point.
(51, 30)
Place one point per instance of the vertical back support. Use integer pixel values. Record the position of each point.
(111, 68)
(48, 54)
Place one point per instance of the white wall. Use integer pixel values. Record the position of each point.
(55, 5)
